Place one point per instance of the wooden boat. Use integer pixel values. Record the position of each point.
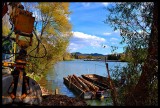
(100, 81)
(74, 85)
(92, 59)
(84, 88)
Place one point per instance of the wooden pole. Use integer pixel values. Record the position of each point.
(113, 90)
(69, 78)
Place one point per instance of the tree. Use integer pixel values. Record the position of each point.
(137, 22)
(54, 31)
(150, 68)
(89, 57)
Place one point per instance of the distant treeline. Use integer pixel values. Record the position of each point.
(119, 56)
(114, 57)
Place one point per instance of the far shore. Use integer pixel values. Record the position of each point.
(106, 60)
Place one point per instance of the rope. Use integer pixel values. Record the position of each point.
(37, 47)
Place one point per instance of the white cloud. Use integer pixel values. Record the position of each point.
(117, 31)
(113, 39)
(80, 40)
(87, 4)
(90, 39)
(73, 47)
(107, 33)
(105, 3)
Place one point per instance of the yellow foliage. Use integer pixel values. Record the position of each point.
(56, 32)
(56, 16)
(5, 30)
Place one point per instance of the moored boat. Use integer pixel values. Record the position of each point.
(85, 89)
(77, 88)
(100, 81)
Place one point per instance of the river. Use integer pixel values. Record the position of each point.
(54, 78)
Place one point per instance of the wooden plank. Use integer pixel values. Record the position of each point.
(78, 90)
(83, 84)
(102, 82)
(90, 85)
(74, 80)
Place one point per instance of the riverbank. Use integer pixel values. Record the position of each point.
(52, 99)
(61, 100)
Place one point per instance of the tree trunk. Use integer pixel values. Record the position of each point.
(140, 94)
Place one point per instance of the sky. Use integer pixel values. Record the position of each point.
(90, 33)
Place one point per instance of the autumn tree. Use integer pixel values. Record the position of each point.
(137, 22)
(53, 29)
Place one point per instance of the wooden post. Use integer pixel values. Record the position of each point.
(69, 81)
(113, 90)
(56, 91)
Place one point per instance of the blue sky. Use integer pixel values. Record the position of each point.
(90, 33)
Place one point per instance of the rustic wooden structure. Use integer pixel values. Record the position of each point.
(77, 88)
(100, 81)
(84, 88)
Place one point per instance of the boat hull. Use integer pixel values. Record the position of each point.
(81, 93)
(100, 81)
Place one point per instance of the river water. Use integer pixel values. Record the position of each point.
(54, 78)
